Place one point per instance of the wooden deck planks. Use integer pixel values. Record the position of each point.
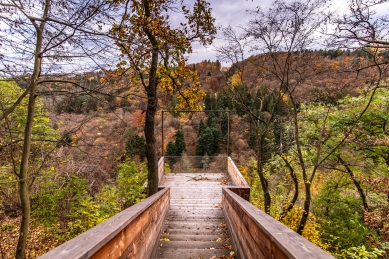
(195, 226)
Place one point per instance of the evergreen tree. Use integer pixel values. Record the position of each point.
(170, 153)
(201, 128)
(130, 144)
(217, 139)
(170, 149)
(135, 145)
(252, 141)
(208, 141)
(220, 102)
(224, 124)
(211, 119)
(200, 145)
(140, 146)
(180, 145)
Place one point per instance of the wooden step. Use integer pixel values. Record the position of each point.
(194, 245)
(189, 237)
(191, 253)
(195, 226)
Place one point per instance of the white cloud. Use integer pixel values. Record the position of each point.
(234, 13)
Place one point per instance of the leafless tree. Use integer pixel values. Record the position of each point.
(284, 33)
(39, 40)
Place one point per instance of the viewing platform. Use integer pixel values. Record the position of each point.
(200, 212)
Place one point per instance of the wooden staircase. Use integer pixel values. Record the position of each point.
(188, 219)
(195, 226)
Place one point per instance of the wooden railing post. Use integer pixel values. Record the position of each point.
(161, 164)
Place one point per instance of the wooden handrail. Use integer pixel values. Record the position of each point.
(161, 164)
(256, 234)
(239, 184)
(132, 233)
(235, 175)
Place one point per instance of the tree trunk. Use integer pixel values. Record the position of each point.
(23, 181)
(264, 182)
(23, 173)
(307, 205)
(296, 189)
(356, 183)
(152, 103)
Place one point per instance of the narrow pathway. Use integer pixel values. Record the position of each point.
(195, 227)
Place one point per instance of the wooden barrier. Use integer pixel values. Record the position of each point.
(161, 164)
(133, 233)
(256, 235)
(235, 175)
(243, 192)
(240, 186)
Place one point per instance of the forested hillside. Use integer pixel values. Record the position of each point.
(308, 122)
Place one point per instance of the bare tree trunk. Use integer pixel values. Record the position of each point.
(296, 189)
(152, 102)
(307, 183)
(23, 180)
(23, 173)
(306, 207)
(264, 182)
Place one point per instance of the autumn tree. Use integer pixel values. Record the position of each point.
(153, 52)
(283, 33)
(361, 27)
(43, 34)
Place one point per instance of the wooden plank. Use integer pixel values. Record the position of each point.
(109, 232)
(248, 248)
(285, 243)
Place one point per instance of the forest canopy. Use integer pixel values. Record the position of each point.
(301, 94)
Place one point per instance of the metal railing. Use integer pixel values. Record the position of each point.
(196, 164)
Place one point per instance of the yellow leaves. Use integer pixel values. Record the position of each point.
(283, 96)
(318, 68)
(165, 239)
(60, 122)
(334, 65)
(236, 79)
(311, 230)
(102, 80)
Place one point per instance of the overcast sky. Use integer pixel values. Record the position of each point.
(226, 12)
(234, 13)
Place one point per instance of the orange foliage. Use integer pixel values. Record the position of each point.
(138, 118)
(334, 65)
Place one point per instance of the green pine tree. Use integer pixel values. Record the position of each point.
(180, 145)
